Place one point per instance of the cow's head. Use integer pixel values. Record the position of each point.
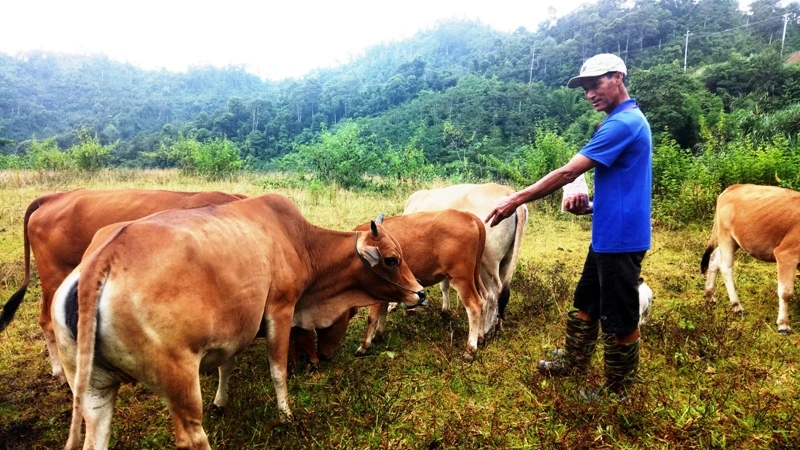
(385, 275)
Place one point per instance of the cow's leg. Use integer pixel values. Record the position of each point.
(328, 339)
(711, 274)
(279, 323)
(444, 285)
(45, 321)
(225, 370)
(98, 410)
(473, 303)
(375, 325)
(492, 282)
(179, 385)
(303, 342)
(787, 267)
(726, 269)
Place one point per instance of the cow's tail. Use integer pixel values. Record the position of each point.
(511, 264)
(484, 293)
(90, 288)
(15, 300)
(712, 244)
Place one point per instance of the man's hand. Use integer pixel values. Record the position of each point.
(504, 209)
(578, 204)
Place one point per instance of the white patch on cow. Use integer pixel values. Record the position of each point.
(60, 299)
(103, 306)
(65, 346)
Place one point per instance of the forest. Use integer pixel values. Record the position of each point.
(460, 100)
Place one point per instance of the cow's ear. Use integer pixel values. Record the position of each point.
(374, 228)
(379, 219)
(372, 255)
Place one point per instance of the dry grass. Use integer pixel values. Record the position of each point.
(709, 379)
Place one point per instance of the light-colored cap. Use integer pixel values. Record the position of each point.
(599, 65)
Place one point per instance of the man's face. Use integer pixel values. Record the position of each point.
(603, 92)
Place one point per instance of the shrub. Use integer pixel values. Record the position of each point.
(89, 154)
(343, 158)
(11, 162)
(217, 158)
(45, 155)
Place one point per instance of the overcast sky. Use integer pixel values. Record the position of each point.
(272, 39)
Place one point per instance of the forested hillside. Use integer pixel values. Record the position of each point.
(461, 96)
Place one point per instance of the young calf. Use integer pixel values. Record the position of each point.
(440, 245)
(765, 222)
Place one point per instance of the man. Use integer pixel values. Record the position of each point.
(607, 293)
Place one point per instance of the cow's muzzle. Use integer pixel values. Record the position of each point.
(423, 299)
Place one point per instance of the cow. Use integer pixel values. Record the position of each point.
(503, 241)
(183, 291)
(438, 245)
(59, 227)
(764, 221)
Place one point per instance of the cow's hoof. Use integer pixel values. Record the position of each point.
(785, 332)
(741, 313)
(217, 410)
(59, 377)
(489, 335)
(469, 355)
(360, 352)
(445, 314)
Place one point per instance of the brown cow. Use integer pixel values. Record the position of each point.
(439, 245)
(765, 222)
(184, 291)
(59, 227)
(503, 241)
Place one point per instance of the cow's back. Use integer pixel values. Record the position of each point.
(65, 223)
(475, 198)
(478, 199)
(759, 218)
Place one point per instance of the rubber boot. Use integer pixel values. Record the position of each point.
(580, 344)
(621, 363)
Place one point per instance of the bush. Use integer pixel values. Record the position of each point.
(343, 158)
(88, 154)
(214, 159)
(11, 162)
(45, 155)
(217, 158)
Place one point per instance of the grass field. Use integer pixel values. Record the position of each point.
(709, 379)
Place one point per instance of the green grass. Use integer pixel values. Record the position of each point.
(710, 379)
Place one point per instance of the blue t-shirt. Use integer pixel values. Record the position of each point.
(623, 150)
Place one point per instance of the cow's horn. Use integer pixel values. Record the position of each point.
(374, 228)
(379, 219)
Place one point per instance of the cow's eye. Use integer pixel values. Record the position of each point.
(391, 261)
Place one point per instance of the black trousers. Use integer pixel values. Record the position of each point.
(609, 290)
